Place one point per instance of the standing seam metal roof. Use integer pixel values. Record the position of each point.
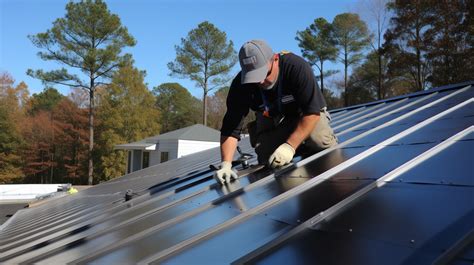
(397, 189)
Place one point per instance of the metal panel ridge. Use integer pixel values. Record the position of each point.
(415, 94)
(270, 177)
(297, 190)
(344, 204)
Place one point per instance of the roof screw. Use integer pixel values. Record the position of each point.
(412, 241)
(298, 221)
(350, 230)
(128, 195)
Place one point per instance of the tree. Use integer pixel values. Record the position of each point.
(38, 151)
(177, 106)
(218, 108)
(317, 45)
(71, 142)
(56, 144)
(377, 15)
(44, 101)
(332, 101)
(352, 37)
(10, 140)
(406, 40)
(12, 101)
(40, 106)
(447, 43)
(88, 40)
(205, 57)
(127, 113)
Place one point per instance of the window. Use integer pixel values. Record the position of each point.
(164, 157)
(129, 162)
(145, 159)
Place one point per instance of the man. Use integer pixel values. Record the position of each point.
(289, 106)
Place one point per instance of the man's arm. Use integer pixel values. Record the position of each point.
(303, 130)
(228, 146)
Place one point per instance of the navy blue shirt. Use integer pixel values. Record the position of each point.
(297, 86)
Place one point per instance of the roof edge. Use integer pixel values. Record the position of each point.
(414, 94)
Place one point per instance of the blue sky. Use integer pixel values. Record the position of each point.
(159, 25)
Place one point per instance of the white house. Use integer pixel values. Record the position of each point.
(170, 145)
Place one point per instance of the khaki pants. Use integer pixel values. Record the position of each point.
(265, 137)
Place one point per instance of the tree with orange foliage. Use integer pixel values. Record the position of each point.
(12, 102)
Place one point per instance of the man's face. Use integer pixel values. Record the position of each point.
(272, 74)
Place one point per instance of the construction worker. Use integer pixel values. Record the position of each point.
(289, 106)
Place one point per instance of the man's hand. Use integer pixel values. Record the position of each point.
(282, 156)
(225, 173)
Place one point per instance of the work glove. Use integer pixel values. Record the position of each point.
(282, 156)
(225, 173)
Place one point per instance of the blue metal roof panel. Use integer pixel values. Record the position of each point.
(180, 215)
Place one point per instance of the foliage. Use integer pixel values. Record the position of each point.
(352, 37)
(206, 57)
(44, 101)
(318, 45)
(127, 113)
(332, 100)
(177, 106)
(377, 16)
(56, 149)
(364, 83)
(447, 41)
(10, 161)
(217, 108)
(12, 101)
(406, 41)
(88, 40)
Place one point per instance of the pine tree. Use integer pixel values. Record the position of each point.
(88, 40)
(206, 57)
(352, 37)
(178, 108)
(406, 41)
(318, 46)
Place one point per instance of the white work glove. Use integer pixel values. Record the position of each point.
(225, 173)
(282, 156)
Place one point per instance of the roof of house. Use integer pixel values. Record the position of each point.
(397, 189)
(196, 132)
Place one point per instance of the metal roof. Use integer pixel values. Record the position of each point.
(397, 189)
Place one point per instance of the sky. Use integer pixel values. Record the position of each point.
(158, 26)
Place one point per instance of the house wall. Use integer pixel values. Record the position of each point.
(187, 147)
(154, 157)
(170, 146)
(174, 148)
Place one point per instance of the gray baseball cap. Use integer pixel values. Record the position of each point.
(254, 57)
